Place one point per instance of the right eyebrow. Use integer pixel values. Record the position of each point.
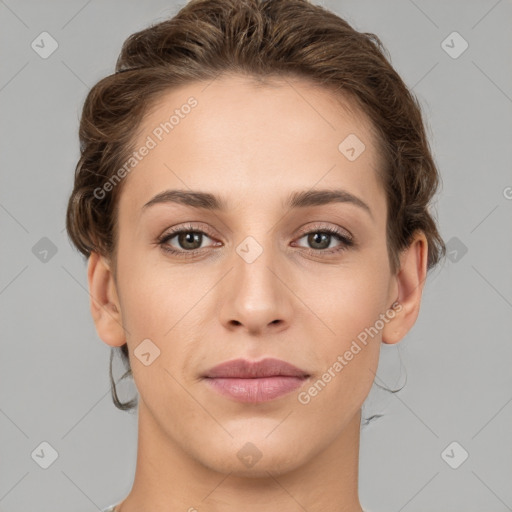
(192, 198)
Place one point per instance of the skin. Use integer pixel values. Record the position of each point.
(252, 146)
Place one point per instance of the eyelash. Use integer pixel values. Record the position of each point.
(346, 242)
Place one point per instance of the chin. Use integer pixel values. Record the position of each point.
(264, 468)
(256, 459)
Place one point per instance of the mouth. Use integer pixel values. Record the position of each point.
(255, 381)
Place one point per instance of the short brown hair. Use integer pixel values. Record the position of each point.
(259, 39)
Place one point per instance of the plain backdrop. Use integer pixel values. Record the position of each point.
(54, 389)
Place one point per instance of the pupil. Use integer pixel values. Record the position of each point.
(317, 238)
(190, 238)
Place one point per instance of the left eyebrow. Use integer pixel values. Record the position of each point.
(322, 197)
(299, 199)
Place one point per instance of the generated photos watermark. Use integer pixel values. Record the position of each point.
(305, 397)
(157, 135)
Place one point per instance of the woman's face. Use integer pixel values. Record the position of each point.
(257, 276)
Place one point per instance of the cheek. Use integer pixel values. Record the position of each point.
(350, 305)
(162, 304)
(350, 301)
(153, 315)
(145, 292)
(349, 350)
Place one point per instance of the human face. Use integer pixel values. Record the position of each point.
(257, 285)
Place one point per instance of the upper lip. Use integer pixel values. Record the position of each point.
(245, 369)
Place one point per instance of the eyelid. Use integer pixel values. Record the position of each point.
(199, 227)
(319, 226)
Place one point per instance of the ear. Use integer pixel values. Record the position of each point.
(408, 289)
(104, 302)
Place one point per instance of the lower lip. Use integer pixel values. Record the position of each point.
(255, 390)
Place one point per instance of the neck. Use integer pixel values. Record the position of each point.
(167, 478)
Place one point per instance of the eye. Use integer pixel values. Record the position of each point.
(188, 239)
(321, 238)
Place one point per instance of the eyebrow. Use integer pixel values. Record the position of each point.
(300, 199)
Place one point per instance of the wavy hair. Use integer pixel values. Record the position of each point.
(259, 39)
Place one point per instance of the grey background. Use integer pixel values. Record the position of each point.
(54, 369)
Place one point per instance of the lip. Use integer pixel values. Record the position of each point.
(255, 381)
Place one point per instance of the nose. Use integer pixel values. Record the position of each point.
(255, 296)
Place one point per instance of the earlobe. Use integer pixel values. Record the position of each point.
(409, 283)
(104, 301)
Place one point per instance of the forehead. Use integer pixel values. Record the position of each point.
(251, 141)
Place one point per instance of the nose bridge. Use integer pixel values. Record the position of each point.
(253, 261)
(255, 296)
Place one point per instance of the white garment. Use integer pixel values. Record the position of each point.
(111, 508)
